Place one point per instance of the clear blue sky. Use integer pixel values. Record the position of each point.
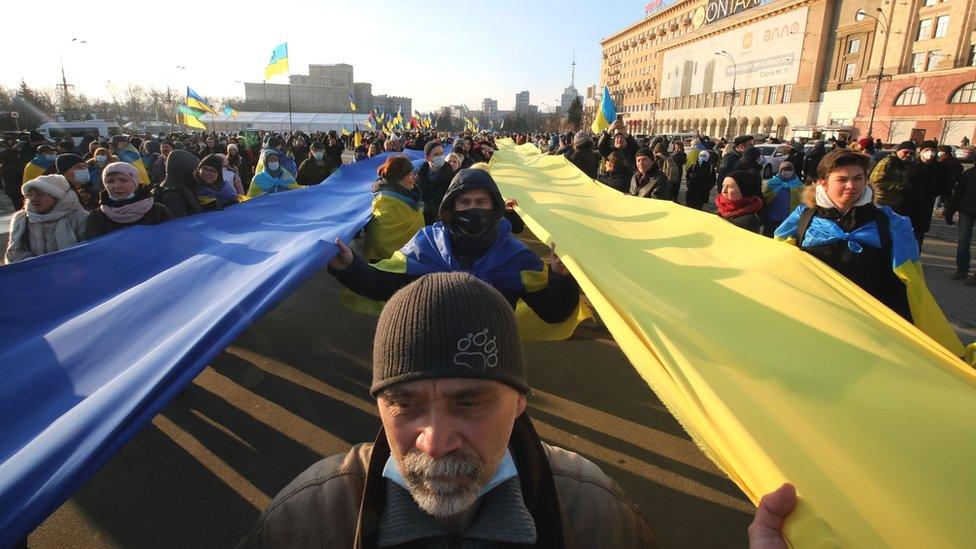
(438, 53)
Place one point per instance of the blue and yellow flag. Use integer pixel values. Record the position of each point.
(352, 104)
(196, 101)
(229, 111)
(278, 63)
(606, 114)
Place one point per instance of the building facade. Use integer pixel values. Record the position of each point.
(489, 107)
(393, 104)
(522, 103)
(325, 89)
(787, 68)
(566, 99)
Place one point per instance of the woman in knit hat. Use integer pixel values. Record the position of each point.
(123, 203)
(79, 176)
(52, 219)
(272, 176)
(741, 211)
(213, 191)
(397, 209)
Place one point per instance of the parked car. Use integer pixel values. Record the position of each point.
(773, 154)
(966, 155)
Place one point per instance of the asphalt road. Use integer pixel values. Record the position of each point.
(294, 388)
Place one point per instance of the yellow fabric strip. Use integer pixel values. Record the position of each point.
(779, 367)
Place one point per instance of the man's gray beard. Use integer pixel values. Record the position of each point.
(443, 486)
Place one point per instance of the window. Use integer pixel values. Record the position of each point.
(965, 94)
(924, 29)
(935, 57)
(748, 97)
(854, 45)
(972, 55)
(787, 93)
(849, 70)
(773, 95)
(708, 100)
(929, 3)
(941, 26)
(760, 96)
(918, 61)
(911, 96)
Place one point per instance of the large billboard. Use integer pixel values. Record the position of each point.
(766, 53)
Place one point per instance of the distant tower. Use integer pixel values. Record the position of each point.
(572, 79)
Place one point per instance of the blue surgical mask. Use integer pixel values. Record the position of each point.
(318, 155)
(82, 176)
(273, 166)
(437, 161)
(101, 158)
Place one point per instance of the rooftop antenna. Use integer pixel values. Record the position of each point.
(572, 81)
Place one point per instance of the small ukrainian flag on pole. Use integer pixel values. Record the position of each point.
(278, 63)
(352, 104)
(606, 114)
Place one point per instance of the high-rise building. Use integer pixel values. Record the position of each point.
(522, 103)
(489, 107)
(801, 68)
(566, 99)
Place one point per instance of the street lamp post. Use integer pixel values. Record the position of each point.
(64, 79)
(728, 126)
(883, 22)
(172, 103)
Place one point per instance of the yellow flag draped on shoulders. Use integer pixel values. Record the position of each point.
(778, 367)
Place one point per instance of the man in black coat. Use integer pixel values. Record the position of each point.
(584, 155)
(929, 180)
(728, 162)
(316, 167)
(430, 180)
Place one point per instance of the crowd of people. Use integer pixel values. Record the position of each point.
(856, 207)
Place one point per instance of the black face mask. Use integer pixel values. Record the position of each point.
(474, 222)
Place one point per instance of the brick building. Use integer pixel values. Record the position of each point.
(799, 68)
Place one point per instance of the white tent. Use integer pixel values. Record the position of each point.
(278, 121)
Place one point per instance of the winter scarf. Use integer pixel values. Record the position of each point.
(64, 236)
(126, 211)
(744, 206)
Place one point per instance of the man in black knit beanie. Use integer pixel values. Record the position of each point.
(457, 463)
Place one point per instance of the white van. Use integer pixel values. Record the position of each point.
(59, 131)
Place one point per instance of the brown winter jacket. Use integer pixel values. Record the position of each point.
(338, 501)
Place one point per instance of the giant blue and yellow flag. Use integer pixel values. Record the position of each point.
(196, 101)
(606, 114)
(278, 63)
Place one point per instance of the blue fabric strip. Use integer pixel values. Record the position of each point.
(99, 337)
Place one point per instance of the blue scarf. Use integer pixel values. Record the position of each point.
(775, 185)
(39, 160)
(501, 266)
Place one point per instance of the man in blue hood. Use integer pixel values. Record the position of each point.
(474, 236)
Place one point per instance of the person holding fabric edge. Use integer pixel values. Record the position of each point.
(649, 181)
(473, 235)
(741, 211)
(213, 191)
(870, 245)
(431, 180)
(123, 203)
(458, 461)
(397, 209)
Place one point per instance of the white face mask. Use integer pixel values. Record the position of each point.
(82, 176)
(927, 155)
(273, 166)
(437, 162)
(101, 158)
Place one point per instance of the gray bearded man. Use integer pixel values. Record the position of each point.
(458, 463)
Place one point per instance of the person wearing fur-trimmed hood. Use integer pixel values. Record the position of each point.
(52, 219)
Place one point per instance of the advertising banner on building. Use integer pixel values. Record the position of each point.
(766, 53)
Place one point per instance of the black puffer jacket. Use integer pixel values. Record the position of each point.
(618, 179)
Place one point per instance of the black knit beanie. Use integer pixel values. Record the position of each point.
(447, 325)
(64, 162)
